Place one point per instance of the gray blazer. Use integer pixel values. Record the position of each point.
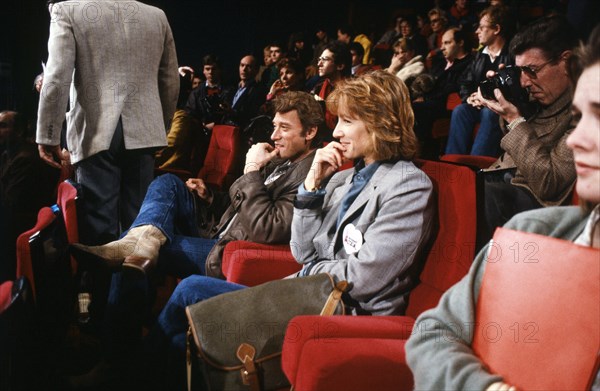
(117, 59)
(394, 215)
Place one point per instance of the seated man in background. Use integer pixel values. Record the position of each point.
(536, 168)
(173, 229)
(203, 101)
(456, 48)
(493, 34)
(385, 204)
(335, 64)
(204, 108)
(243, 103)
(442, 357)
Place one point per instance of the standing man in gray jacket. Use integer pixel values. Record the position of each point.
(117, 62)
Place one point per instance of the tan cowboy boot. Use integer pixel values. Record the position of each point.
(140, 242)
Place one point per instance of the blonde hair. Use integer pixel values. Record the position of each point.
(382, 102)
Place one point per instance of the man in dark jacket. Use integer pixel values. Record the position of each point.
(245, 101)
(456, 48)
(493, 36)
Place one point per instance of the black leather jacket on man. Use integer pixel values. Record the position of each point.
(475, 73)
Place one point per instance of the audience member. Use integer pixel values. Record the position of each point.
(335, 64)
(406, 63)
(26, 185)
(357, 52)
(193, 125)
(244, 103)
(385, 203)
(258, 208)
(540, 164)
(196, 81)
(266, 63)
(346, 34)
(298, 49)
(319, 46)
(423, 26)
(391, 36)
(271, 74)
(204, 103)
(111, 136)
(461, 16)
(183, 133)
(409, 31)
(456, 48)
(493, 34)
(439, 23)
(440, 353)
(291, 77)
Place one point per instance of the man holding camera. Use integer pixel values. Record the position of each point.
(537, 167)
(493, 35)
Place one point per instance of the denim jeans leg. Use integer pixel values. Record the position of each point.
(462, 122)
(487, 141)
(185, 255)
(172, 322)
(168, 203)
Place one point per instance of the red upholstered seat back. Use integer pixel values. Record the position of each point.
(453, 250)
(220, 164)
(67, 196)
(24, 262)
(5, 295)
(66, 200)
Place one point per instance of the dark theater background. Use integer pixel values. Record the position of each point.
(229, 28)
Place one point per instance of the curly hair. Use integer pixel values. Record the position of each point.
(382, 102)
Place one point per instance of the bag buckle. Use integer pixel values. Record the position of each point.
(246, 354)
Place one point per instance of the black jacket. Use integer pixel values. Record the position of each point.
(475, 73)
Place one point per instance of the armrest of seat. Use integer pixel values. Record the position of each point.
(336, 352)
(470, 160)
(251, 264)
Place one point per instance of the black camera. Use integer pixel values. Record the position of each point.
(507, 80)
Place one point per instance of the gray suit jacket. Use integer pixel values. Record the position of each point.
(117, 59)
(394, 214)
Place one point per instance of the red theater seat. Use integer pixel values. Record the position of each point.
(220, 168)
(335, 353)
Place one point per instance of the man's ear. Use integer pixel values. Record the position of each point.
(340, 67)
(566, 59)
(566, 55)
(498, 29)
(311, 133)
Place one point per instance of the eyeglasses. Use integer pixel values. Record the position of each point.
(437, 20)
(325, 59)
(485, 26)
(533, 72)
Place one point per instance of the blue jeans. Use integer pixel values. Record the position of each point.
(169, 206)
(463, 121)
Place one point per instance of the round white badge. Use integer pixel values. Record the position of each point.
(352, 239)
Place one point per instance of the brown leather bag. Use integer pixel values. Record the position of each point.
(237, 337)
